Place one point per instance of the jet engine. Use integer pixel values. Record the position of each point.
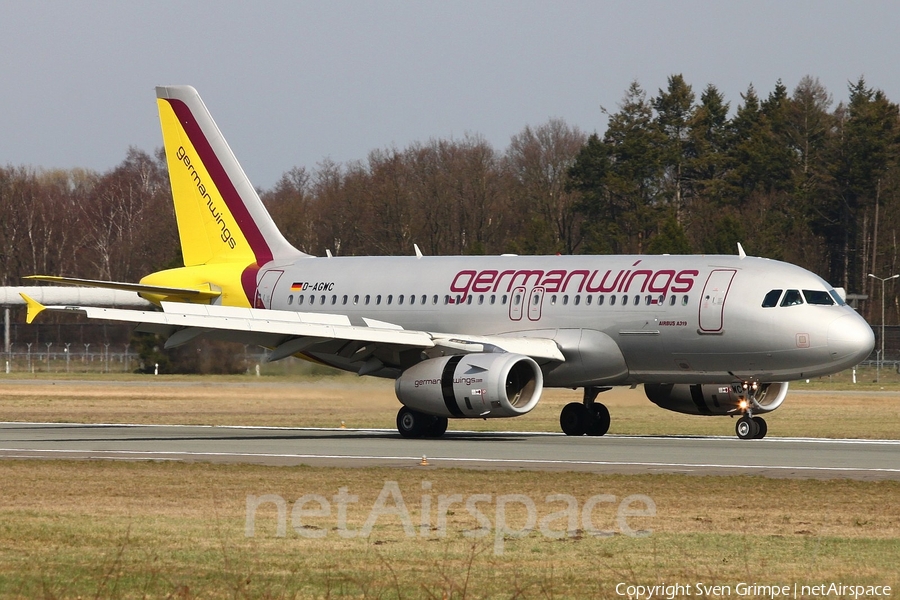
(472, 386)
(712, 399)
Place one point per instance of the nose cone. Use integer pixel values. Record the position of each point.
(850, 339)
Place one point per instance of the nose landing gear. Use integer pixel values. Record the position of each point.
(749, 427)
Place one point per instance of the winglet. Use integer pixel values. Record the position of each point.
(34, 308)
(741, 252)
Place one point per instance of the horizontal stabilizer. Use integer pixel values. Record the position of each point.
(187, 293)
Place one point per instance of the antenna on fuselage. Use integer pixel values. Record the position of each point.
(741, 252)
(329, 254)
(418, 252)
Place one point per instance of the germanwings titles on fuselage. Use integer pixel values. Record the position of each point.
(559, 280)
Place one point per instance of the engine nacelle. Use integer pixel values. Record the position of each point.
(472, 386)
(712, 399)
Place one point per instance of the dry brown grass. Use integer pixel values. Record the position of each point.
(122, 530)
(366, 402)
(107, 529)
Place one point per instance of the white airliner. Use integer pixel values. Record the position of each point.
(480, 337)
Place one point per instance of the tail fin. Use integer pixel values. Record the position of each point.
(220, 216)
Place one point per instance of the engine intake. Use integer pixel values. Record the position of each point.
(472, 386)
(713, 399)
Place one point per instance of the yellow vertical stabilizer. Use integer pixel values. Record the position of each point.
(220, 216)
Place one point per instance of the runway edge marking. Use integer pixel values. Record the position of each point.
(150, 454)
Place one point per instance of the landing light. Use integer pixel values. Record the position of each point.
(743, 404)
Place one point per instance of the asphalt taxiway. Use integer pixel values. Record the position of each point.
(772, 457)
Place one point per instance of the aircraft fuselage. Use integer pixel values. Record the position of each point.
(623, 319)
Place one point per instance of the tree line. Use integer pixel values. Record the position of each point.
(790, 175)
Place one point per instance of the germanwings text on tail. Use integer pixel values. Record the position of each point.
(480, 337)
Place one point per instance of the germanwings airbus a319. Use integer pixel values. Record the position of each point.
(480, 337)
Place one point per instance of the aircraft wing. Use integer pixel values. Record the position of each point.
(368, 348)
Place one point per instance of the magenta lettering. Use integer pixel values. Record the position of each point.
(561, 281)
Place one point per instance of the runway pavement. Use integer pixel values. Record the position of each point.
(773, 457)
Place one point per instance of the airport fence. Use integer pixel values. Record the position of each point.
(116, 358)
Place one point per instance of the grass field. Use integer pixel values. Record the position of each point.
(124, 530)
(103, 529)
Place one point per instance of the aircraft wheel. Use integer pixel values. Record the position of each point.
(574, 418)
(438, 428)
(746, 428)
(762, 428)
(599, 424)
(411, 423)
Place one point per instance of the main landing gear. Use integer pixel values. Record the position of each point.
(588, 417)
(414, 424)
(749, 427)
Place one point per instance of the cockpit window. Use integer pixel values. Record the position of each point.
(771, 299)
(792, 298)
(822, 298)
(837, 297)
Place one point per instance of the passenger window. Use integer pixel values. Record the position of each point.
(672, 300)
(577, 300)
(312, 300)
(481, 299)
(684, 300)
(355, 299)
(565, 300)
(821, 298)
(493, 298)
(290, 299)
(344, 300)
(334, 299)
(517, 299)
(390, 298)
(433, 299)
(771, 299)
(612, 300)
(412, 299)
(792, 298)
(600, 300)
(503, 300)
(446, 299)
(469, 300)
(378, 299)
(399, 299)
(587, 300)
(637, 299)
(322, 299)
(299, 300)
(624, 300)
(648, 299)
(367, 299)
(553, 300)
